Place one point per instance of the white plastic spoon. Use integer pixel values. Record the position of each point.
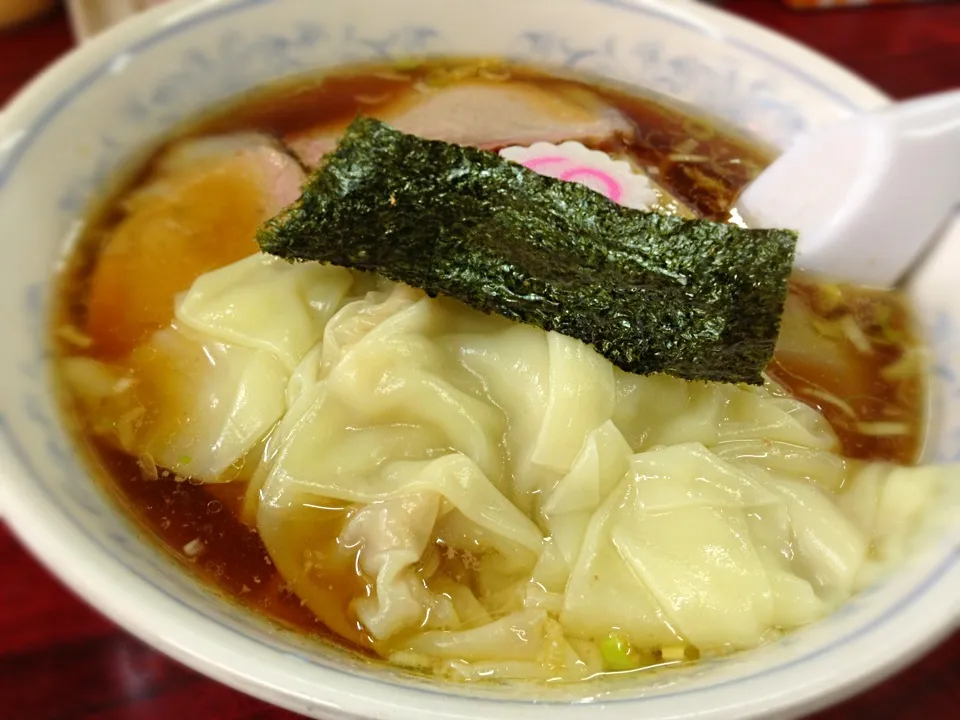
(867, 194)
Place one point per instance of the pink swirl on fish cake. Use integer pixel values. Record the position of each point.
(563, 168)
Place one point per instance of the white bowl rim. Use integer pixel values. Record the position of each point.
(167, 623)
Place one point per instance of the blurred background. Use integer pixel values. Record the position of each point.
(59, 659)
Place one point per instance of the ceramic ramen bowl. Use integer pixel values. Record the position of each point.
(67, 134)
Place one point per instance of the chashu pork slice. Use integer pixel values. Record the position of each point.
(489, 115)
(198, 210)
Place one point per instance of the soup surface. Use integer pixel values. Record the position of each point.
(841, 412)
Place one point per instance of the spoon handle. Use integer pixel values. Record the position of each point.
(937, 113)
(867, 194)
(930, 128)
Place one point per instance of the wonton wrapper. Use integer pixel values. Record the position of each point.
(508, 496)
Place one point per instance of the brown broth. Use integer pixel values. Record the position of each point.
(702, 164)
(230, 554)
(883, 397)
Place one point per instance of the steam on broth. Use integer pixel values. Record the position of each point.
(480, 523)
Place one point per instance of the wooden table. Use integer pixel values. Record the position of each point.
(61, 660)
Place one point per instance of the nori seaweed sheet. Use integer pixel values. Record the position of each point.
(653, 293)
